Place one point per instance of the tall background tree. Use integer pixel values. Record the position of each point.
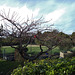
(65, 42)
(73, 38)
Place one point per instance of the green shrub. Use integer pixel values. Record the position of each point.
(6, 67)
(47, 67)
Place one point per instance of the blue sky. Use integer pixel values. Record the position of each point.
(62, 12)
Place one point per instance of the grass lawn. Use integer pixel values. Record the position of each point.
(7, 49)
(73, 49)
(33, 49)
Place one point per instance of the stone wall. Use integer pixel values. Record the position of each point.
(67, 54)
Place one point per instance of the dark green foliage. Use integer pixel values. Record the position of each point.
(65, 44)
(55, 38)
(73, 38)
(47, 67)
(7, 66)
(64, 41)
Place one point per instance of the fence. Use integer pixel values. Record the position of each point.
(7, 56)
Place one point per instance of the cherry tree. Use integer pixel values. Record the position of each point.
(16, 28)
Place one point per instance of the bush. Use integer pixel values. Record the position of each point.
(6, 67)
(47, 67)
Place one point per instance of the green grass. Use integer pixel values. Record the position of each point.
(7, 49)
(73, 49)
(55, 50)
(33, 49)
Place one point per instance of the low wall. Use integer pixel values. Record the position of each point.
(67, 54)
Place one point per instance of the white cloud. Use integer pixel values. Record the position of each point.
(55, 15)
(21, 11)
(60, 11)
(68, 31)
(24, 12)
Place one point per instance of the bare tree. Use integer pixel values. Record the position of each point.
(14, 27)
